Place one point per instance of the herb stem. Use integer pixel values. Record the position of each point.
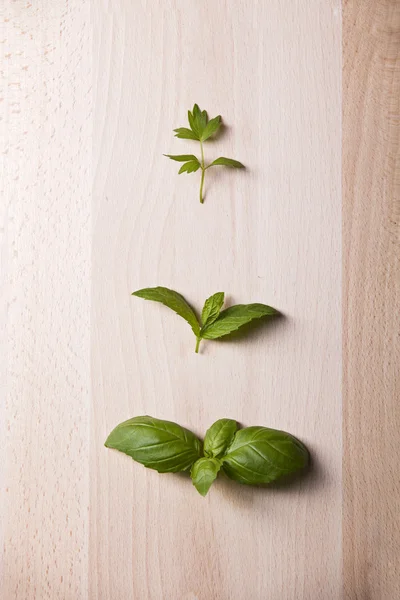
(202, 173)
(197, 345)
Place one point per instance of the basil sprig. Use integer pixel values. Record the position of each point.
(214, 323)
(201, 129)
(251, 456)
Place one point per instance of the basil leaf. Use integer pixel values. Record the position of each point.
(227, 162)
(212, 308)
(185, 134)
(260, 455)
(212, 127)
(161, 445)
(190, 167)
(219, 437)
(174, 301)
(235, 317)
(203, 473)
(181, 157)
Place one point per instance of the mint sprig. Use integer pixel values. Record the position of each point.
(201, 129)
(214, 323)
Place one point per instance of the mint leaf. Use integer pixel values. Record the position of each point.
(190, 167)
(203, 473)
(181, 157)
(219, 437)
(212, 307)
(260, 455)
(227, 162)
(185, 134)
(212, 127)
(174, 301)
(233, 318)
(156, 444)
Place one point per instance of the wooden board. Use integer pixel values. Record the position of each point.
(93, 211)
(371, 332)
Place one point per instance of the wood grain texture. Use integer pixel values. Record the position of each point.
(45, 300)
(270, 234)
(371, 189)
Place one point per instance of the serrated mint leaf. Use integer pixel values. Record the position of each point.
(212, 127)
(182, 157)
(186, 134)
(212, 307)
(203, 473)
(174, 301)
(190, 167)
(219, 437)
(260, 455)
(161, 445)
(233, 318)
(227, 162)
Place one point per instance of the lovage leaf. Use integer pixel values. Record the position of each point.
(185, 134)
(203, 473)
(181, 157)
(233, 318)
(190, 167)
(161, 445)
(219, 437)
(260, 455)
(212, 308)
(174, 301)
(227, 162)
(200, 119)
(212, 127)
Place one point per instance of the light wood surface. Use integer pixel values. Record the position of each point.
(94, 211)
(371, 293)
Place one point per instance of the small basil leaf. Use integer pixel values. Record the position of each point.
(190, 167)
(219, 437)
(212, 308)
(161, 445)
(181, 157)
(174, 301)
(227, 162)
(185, 134)
(260, 455)
(235, 317)
(212, 127)
(203, 473)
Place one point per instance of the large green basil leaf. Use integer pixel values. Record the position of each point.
(260, 455)
(219, 436)
(203, 473)
(161, 445)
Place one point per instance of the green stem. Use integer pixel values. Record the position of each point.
(202, 173)
(197, 345)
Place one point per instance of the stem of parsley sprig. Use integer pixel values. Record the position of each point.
(200, 130)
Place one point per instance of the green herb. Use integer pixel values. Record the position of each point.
(214, 323)
(252, 456)
(201, 129)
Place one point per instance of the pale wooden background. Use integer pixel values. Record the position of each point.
(95, 211)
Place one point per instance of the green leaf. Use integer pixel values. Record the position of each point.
(185, 134)
(233, 318)
(260, 455)
(203, 473)
(212, 308)
(182, 157)
(156, 444)
(212, 127)
(227, 162)
(200, 119)
(174, 301)
(190, 167)
(219, 437)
